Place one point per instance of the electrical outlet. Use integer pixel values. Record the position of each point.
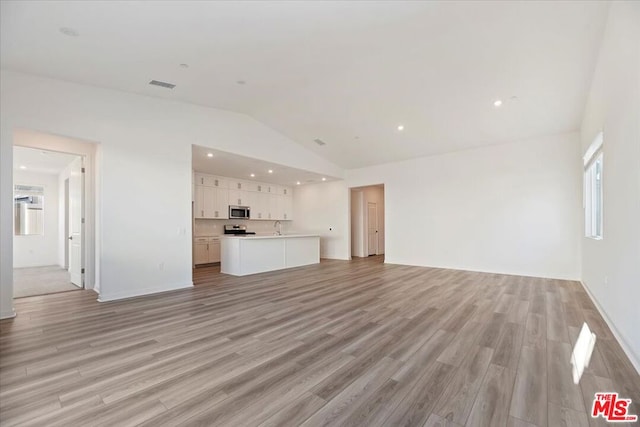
(161, 266)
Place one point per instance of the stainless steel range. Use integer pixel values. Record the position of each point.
(237, 230)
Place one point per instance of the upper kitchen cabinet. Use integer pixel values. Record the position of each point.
(210, 180)
(260, 206)
(239, 197)
(287, 208)
(284, 191)
(236, 184)
(211, 202)
(262, 187)
(214, 194)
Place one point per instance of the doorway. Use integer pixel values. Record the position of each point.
(49, 203)
(367, 221)
(372, 228)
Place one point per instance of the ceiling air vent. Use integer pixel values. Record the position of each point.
(162, 84)
(319, 141)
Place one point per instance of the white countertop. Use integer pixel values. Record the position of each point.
(273, 236)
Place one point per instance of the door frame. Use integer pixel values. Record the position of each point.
(66, 222)
(69, 242)
(89, 151)
(358, 221)
(366, 234)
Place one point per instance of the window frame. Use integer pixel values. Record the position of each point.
(593, 193)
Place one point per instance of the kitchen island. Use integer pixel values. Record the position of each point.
(243, 255)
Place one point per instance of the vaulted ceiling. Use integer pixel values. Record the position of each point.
(348, 73)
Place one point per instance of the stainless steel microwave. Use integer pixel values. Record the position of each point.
(239, 212)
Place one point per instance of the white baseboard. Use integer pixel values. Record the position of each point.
(7, 314)
(536, 275)
(142, 292)
(635, 361)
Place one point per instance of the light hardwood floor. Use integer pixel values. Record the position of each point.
(341, 343)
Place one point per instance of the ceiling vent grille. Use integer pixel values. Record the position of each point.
(162, 84)
(319, 142)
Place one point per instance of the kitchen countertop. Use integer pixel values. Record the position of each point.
(273, 236)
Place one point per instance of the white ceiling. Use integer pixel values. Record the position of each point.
(345, 72)
(235, 166)
(40, 161)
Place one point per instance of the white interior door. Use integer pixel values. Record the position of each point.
(76, 186)
(372, 228)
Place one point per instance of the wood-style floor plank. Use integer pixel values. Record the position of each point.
(340, 343)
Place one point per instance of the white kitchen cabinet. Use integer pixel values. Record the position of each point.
(214, 249)
(221, 210)
(239, 197)
(201, 251)
(210, 180)
(206, 250)
(259, 206)
(211, 202)
(287, 208)
(236, 184)
(284, 190)
(275, 207)
(213, 195)
(198, 208)
(254, 186)
(267, 188)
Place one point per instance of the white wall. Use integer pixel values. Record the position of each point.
(39, 250)
(324, 209)
(508, 208)
(611, 266)
(143, 172)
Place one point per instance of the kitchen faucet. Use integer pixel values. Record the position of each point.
(278, 226)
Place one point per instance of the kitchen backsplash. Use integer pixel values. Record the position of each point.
(214, 227)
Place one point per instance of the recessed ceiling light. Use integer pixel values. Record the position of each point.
(69, 32)
(400, 128)
(497, 103)
(183, 65)
(297, 182)
(24, 167)
(241, 82)
(209, 154)
(270, 171)
(324, 179)
(253, 175)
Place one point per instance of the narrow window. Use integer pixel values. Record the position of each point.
(593, 178)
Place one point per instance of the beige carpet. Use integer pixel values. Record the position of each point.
(40, 281)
